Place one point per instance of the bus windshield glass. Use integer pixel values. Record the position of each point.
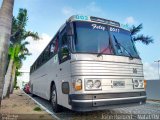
(99, 38)
(122, 43)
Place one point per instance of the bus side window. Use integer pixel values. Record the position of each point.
(64, 50)
(40, 60)
(46, 53)
(35, 65)
(54, 47)
(31, 69)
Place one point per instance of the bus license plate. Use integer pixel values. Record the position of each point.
(119, 84)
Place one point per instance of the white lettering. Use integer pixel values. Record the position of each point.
(100, 27)
(114, 29)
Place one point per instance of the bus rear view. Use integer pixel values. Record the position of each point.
(98, 67)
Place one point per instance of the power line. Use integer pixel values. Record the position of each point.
(158, 61)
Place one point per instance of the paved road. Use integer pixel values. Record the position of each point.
(151, 109)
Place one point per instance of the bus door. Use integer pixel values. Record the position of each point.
(64, 64)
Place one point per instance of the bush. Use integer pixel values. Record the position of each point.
(37, 109)
(17, 87)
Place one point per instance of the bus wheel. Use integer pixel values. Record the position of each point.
(32, 91)
(33, 95)
(56, 108)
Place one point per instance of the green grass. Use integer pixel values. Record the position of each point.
(37, 109)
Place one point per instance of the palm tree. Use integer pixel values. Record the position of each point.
(18, 50)
(140, 37)
(21, 53)
(6, 12)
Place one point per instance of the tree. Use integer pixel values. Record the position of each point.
(18, 50)
(140, 37)
(19, 55)
(6, 14)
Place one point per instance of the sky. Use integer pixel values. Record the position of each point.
(46, 16)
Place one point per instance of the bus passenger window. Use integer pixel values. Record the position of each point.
(54, 47)
(46, 53)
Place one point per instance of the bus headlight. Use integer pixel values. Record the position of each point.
(97, 83)
(78, 85)
(138, 83)
(89, 84)
(93, 84)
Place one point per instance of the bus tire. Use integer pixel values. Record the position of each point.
(56, 108)
(33, 95)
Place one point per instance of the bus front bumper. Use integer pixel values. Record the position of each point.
(91, 102)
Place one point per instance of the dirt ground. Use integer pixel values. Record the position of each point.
(21, 107)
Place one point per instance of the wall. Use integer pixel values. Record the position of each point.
(153, 89)
(23, 79)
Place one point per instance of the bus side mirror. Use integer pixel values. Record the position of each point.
(65, 51)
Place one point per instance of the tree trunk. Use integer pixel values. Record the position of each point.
(13, 78)
(6, 12)
(8, 78)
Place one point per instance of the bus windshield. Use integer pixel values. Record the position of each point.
(99, 38)
(122, 42)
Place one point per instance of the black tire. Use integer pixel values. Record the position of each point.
(33, 95)
(56, 108)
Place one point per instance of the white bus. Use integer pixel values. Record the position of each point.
(90, 64)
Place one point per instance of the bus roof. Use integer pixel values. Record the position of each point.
(97, 20)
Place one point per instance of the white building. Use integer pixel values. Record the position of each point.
(23, 79)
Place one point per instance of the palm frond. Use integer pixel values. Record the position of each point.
(134, 30)
(24, 49)
(34, 35)
(10, 50)
(144, 39)
(17, 50)
(18, 26)
(25, 43)
(22, 57)
(18, 63)
(14, 25)
(22, 18)
(18, 73)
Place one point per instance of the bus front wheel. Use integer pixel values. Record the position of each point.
(56, 108)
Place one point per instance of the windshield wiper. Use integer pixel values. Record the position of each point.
(99, 54)
(119, 45)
